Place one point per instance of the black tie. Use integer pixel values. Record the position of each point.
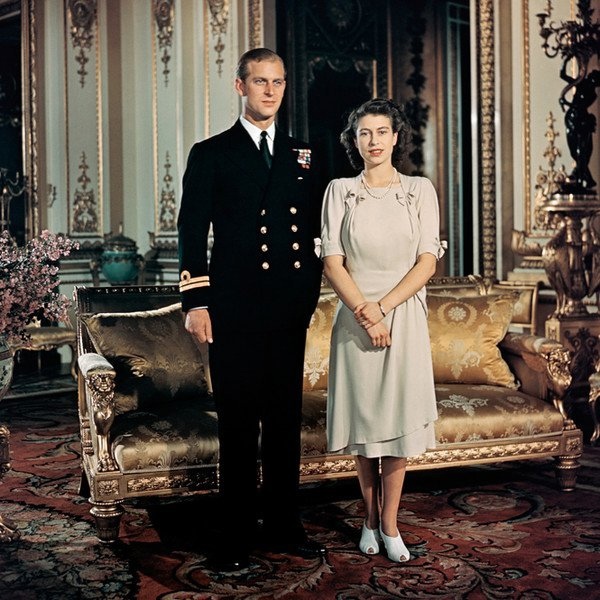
(264, 149)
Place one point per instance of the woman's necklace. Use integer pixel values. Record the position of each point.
(387, 189)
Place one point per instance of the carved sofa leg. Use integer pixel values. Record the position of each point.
(107, 516)
(566, 471)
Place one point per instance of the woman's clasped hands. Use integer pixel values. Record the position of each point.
(369, 316)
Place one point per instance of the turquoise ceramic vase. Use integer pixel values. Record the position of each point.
(120, 261)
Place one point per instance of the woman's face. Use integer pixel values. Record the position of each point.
(375, 139)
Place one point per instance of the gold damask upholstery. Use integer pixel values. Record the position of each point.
(176, 435)
(316, 354)
(465, 333)
(155, 359)
(525, 312)
(468, 413)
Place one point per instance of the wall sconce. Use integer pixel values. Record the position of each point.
(9, 190)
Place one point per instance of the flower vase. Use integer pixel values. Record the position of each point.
(7, 530)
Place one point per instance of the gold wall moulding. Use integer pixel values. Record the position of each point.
(83, 15)
(219, 19)
(167, 220)
(548, 181)
(487, 157)
(255, 26)
(164, 17)
(85, 214)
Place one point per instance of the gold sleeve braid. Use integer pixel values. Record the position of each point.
(187, 282)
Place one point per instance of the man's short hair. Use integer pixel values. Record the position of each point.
(255, 55)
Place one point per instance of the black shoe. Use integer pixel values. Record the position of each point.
(229, 560)
(304, 548)
(307, 549)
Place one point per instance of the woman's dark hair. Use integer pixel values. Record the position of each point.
(400, 125)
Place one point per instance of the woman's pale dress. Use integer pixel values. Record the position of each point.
(381, 401)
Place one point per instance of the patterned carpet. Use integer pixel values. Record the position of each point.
(498, 532)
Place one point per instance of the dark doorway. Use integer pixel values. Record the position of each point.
(340, 53)
(11, 122)
(336, 52)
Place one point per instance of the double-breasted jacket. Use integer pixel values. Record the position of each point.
(262, 273)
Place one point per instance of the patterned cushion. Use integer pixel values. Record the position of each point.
(467, 413)
(316, 355)
(464, 335)
(156, 360)
(471, 413)
(171, 436)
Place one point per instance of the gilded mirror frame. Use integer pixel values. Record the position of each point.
(29, 92)
(486, 136)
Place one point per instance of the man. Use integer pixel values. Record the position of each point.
(253, 304)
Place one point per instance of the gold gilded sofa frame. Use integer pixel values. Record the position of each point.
(544, 362)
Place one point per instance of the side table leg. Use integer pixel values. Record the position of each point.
(8, 532)
(592, 399)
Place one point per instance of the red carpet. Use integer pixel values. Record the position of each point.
(479, 533)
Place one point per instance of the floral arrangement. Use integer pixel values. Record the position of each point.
(29, 282)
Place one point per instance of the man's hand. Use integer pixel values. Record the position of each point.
(197, 322)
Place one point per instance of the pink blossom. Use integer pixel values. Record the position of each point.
(29, 282)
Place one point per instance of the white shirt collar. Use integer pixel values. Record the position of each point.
(255, 132)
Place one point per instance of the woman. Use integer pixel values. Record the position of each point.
(380, 245)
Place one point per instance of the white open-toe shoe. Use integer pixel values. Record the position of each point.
(395, 548)
(369, 540)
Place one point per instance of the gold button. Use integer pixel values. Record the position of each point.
(265, 265)
(264, 247)
(293, 210)
(263, 229)
(263, 212)
(297, 264)
(295, 245)
(294, 228)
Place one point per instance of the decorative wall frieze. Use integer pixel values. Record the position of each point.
(85, 208)
(219, 20)
(164, 16)
(167, 219)
(255, 24)
(487, 136)
(83, 18)
(30, 113)
(548, 181)
(416, 109)
(526, 103)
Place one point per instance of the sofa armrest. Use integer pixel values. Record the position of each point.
(540, 364)
(99, 376)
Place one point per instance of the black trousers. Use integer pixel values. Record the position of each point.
(257, 384)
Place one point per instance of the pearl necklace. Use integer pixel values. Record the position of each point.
(387, 189)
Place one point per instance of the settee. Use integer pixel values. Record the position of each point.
(149, 428)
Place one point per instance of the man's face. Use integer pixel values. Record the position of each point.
(262, 91)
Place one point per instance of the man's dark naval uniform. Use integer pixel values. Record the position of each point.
(261, 287)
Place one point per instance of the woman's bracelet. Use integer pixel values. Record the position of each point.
(381, 308)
